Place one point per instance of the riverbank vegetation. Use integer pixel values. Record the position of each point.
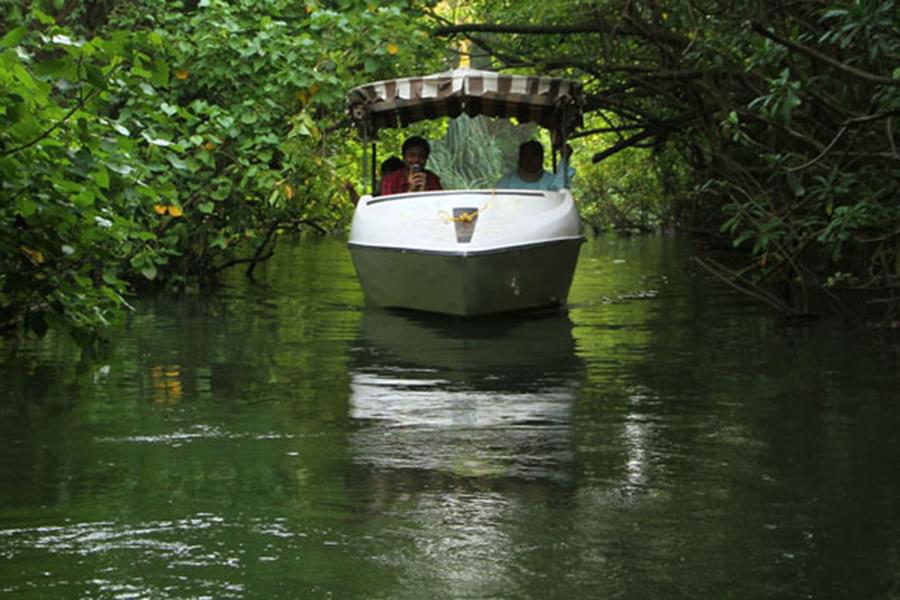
(157, 143)
(772, 125)
(153, 143)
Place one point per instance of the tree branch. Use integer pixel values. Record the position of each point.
(587, 132)
(616, 148)
(593, 27)
(80, 104)
(812, 53)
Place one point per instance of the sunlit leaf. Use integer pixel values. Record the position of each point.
(13, 37)
(149, 271)
(36, 256)
(43, 17)
(156, 141)
(101, 177)
(176, 162)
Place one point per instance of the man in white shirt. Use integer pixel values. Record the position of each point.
(529, 174)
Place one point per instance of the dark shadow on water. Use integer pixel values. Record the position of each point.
(521, 350)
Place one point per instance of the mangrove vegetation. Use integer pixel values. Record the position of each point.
(157, 143)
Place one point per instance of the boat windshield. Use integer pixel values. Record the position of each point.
(475, 152)
(481, 143)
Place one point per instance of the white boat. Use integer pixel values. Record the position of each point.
(466, 252)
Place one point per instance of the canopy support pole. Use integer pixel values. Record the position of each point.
(565, 160)
(374, 162)
(365, 154)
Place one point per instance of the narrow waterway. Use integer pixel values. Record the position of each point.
(663, 438)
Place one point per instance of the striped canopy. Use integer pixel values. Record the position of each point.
(548, 101)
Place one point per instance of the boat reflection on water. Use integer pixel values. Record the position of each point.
(484, 398)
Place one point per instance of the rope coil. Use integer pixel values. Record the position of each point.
(466, 217)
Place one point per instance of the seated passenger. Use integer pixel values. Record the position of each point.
(529, 174)
(413, 177)
(388, 165)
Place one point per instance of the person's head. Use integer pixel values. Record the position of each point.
(415, 151)
(531, 157)
(391, 164)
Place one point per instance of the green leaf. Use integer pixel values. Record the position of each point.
(25, 206)
(95, 77)
(141, 72)
(160, 73)
(149, 271)
(745, 235)
(796, 185)
(42, 17)
(834, 13)
(176, 162)
(219, 242)
(206, 207)
(13, 37)
(64, 68)
(155, 141)
(83, 199)
(101, 177)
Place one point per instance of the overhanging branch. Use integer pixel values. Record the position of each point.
(812, 53)
(626, 143)
(593, 27)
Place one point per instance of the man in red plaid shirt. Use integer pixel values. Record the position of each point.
(413, 177)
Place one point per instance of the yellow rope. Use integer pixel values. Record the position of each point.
(467, 217)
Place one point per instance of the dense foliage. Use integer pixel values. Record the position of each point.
(156, 141)
(775, 124)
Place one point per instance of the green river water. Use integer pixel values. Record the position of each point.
(664, 438)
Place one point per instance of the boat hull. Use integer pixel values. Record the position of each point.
(468, 284)
(466, 252)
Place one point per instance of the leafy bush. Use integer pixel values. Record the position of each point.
(73, 200)
(165, 155)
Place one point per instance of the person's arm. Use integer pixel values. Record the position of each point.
(351, 192)
(559, 180)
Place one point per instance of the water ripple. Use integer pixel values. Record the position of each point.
(196, 433)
